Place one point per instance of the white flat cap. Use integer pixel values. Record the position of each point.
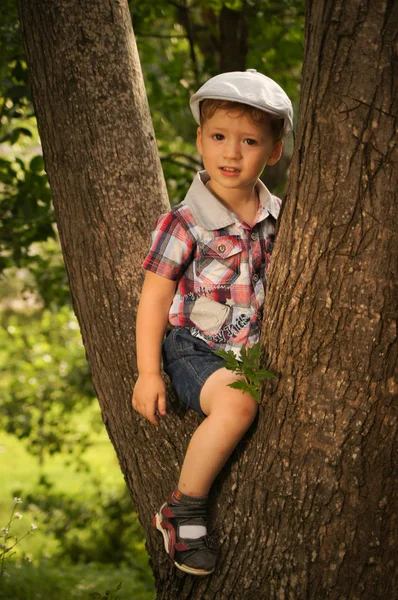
(247, 87)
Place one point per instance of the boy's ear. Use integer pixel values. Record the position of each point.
(199, 140)
(275, 154)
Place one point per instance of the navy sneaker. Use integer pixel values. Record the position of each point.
(193, 556)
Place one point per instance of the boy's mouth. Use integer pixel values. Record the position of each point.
(230, 169)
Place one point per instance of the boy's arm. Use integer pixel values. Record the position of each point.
(152, 317)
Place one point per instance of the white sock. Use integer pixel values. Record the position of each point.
(192, 532)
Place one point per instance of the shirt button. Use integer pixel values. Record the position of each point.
(255, 278)
(221, 248)
(254, 237)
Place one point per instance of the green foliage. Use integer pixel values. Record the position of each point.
(26, 213)
(249, 367)
(46, 581)
(98, 526)
(47, 275)
(84, 509)
(108, 594)
(45, 380)
(25, 210)
(276, 43)
(15, 103)
(10, 541)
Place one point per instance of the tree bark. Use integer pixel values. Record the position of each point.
(304, 508)
(330, 440)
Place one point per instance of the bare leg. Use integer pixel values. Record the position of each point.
(183, 519)
(230, 414)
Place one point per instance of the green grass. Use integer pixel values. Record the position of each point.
(20, 472)
(41, 581)
(32, 573)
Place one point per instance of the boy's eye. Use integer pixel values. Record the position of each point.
(218, 136)
(250, 141)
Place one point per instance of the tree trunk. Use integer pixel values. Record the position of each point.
(304, 508)
(329, 434)
(233, 40)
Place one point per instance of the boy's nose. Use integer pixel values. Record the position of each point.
(232, 149)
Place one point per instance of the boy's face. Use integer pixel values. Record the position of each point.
(235, 150)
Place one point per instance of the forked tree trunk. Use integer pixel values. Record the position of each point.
(305, 507)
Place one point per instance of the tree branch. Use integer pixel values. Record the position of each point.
(186, 156)
(159, 35)
(185, 20)
(178, 163)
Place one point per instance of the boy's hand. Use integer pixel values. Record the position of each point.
(150, 394)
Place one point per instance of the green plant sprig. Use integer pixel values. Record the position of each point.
(249, 367)
(5, 548)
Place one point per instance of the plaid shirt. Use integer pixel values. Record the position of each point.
(220, 264)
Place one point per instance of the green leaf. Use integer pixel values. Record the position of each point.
(239, 385)
(37, 164)
(264, 374)
(249, 367)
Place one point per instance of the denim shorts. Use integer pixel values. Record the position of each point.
(189, 362)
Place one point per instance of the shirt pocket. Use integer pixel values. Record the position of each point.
(208, 315)
(218, 262)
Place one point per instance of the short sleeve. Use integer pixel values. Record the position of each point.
(171, 248)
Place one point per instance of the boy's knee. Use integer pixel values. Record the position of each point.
(241, 411)
(249, 412)
(229, 403)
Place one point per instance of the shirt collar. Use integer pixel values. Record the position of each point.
(210, 214)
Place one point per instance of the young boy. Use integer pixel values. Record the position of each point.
(205, 281)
